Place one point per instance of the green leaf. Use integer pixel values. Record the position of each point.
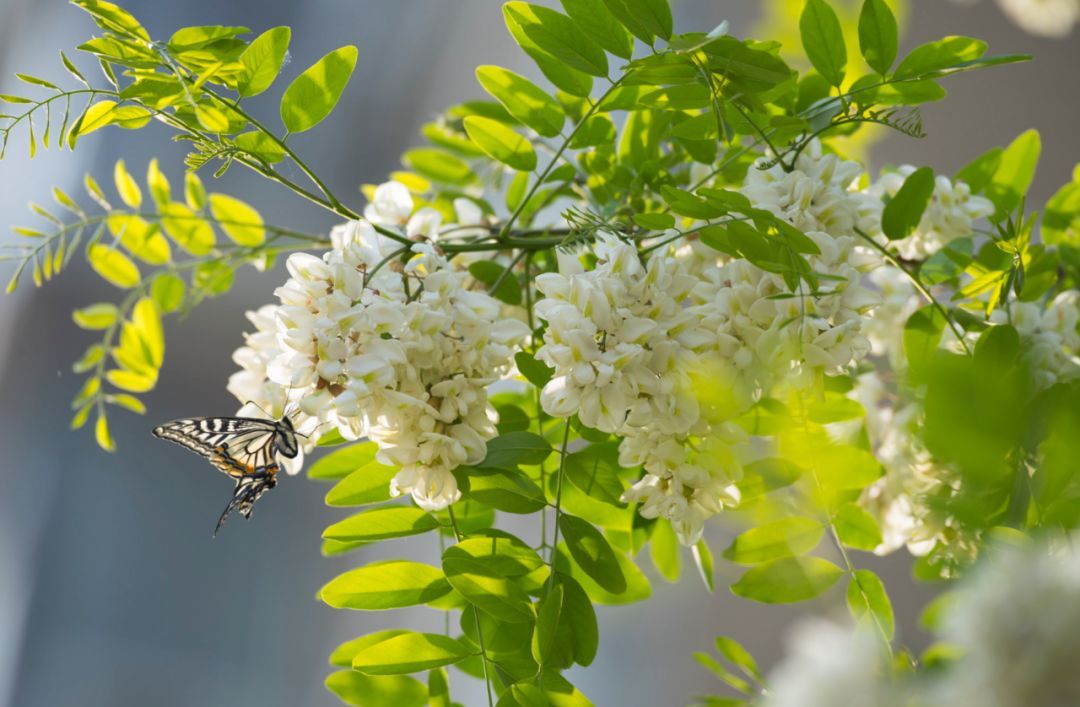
(313, 94)
(922, 336)
(570, 80)
(507, 490)
(929, 59)
(780, 538)
(665, 550)
(868, 601)
(368, 484)
(655, 221)
(503, 554)
(96, 117)
(483, 587)
(739, 656)
(167, 290)
(128, 402)
(212, 278)
(596, 20)
(592, 553)
(703, 560)
(547, 624)
(385, 585)
(381, 524)
(646, 19)
(637, 585)
(579, 617)
(823, 40)
(905, 210)
(595, 470)
(239, 220)
(410, 653)
(113, 265)
(514, 448)
(787, 580)
(1014, 173)
(559, 36)
(260, 145)
(342, 462)
(438, 688)
(501, 143)
(523, 99)
(262, 61)
(490, 273)
(878, 35)
(857, 528)
(126, 186)
(96, 316)
(113, 18)
(437, 165)
(354, 688)
(343, 655)
(596, 130)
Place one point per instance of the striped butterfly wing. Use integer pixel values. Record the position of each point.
(237, 446)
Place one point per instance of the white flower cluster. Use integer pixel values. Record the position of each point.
(1051, 341)
(624, 337)
(622, 344)
(1018, 627)
(950, 214)
(401, 355)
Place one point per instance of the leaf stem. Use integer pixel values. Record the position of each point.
(476, 616)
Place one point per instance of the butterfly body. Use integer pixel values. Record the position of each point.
(245, 448)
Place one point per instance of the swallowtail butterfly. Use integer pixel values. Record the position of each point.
(245, 448)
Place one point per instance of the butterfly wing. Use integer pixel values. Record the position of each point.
(236, 445)
(249, 489)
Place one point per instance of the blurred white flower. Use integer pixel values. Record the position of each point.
(1018, 625)
(1051, 341)
(830, 665)
(1050, 18)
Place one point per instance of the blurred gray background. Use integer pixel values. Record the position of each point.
(112, 592)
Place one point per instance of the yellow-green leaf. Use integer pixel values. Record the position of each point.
(96, 117)
(131, 381)
(113, 265)
(262, 61)
(127, 186)
(147, 323)
(239, 220)
(158, 183)
(190, 231)
(101, 433)
(313, 94)
(96, 316)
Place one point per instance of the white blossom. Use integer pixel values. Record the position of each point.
(1051, 341)
(1018, 625)
(1050, 18)
(401, 355)
(950, 215)
(830, 665)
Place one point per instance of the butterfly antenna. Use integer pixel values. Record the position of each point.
(252, 402)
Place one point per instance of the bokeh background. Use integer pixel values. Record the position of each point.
(112, 592)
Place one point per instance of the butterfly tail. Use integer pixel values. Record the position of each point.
(249, 489)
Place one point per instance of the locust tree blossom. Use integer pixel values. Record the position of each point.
(399, 354)
(1050, 336)
(1050, 18)
(950, 215)
(1018, 630)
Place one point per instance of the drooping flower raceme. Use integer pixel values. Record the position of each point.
(1050, 336)
(401, 354)
(622, 342)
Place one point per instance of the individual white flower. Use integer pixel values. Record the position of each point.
(950, 215)
(830, 665)
(1018, 626)
(391, 206)
(1050, 18)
